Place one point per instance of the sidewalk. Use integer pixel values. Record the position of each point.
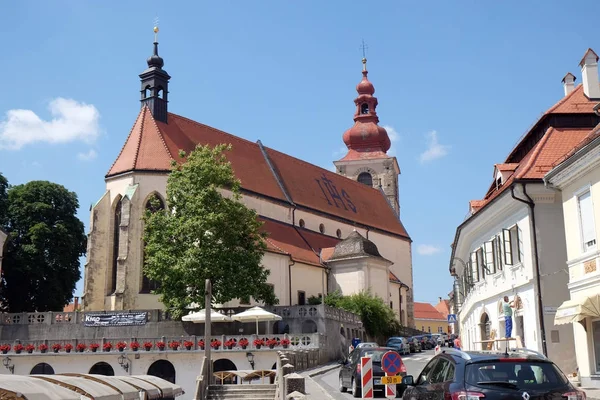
(314, 391)
(591, 394)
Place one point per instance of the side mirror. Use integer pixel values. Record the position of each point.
(408, 380)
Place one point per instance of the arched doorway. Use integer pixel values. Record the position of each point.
(225, 364)
(485, 326)
(163, 369)
(309, 326)
(42, 369)
(102, 368)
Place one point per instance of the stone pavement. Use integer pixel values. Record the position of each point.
(314, 391)
(591, 393)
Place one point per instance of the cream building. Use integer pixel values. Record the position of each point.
(305, 209)
(578, 179)
(513, 244)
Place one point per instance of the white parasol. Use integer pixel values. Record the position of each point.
(256, 314)
(198, 317)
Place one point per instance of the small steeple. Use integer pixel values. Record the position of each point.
(155, 84)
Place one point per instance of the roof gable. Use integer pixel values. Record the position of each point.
(427, 311)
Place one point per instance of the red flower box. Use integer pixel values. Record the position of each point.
(215, 344)
(243, 343)
(43, 347)
(148, 346)
(30, 348)
(258, 343)
(19, 348)
(68, 347)
(81, 347)
(188, 344)
(230, 343)
(121, 346)
(201, 344)
(174, 345)
(56, 347)
(160, 345)
(5, 348)
(107, 346)
(134, 346)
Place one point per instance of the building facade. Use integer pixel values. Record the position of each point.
(305, 209)
(429, 319)
(578, 180)
(509, 245)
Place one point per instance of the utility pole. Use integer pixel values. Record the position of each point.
(207, 328)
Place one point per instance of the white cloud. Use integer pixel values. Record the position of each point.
(394, 138)
(434, 150)
(89, 156)
(71, 121)
(427, 249)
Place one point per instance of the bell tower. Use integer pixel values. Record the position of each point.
(155, 84)
(367, 160)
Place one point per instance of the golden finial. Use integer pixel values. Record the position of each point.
(155, 29)
(364, 48)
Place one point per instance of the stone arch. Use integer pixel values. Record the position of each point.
(163, 369)
(102, 368)
(116, 213)
(42, 369)
(309, 326)
(280, 328)
(156, 194)
(485, 325)
(225, 364)
(365, 178)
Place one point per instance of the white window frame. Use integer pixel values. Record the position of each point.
(498, 252)
(489, 251)
(513, 245)
(577, 195)
(473, 263)
(481, 267)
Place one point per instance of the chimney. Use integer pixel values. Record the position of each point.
(569, 83)
(589, 74)
(440, 299)
(76, 305)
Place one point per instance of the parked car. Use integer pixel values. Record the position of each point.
(400, 344)
(519, 375)
(366, 344)
(349, 376)
(426, 342)
(451, 340)
(415, 345)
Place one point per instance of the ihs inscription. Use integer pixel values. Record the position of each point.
(339, 199)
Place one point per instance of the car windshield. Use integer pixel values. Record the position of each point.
(516, 374)
(375, 355)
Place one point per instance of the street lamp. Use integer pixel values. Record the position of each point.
(7, 363)
(123, 362)
(250, 358)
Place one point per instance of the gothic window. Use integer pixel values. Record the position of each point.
(153, 205)
(364, 108)
(366, 179)
(116, 239)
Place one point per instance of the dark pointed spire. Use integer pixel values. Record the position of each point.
(155, 84)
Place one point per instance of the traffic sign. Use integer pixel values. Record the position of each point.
(391, 363)
(451, 318)
(366, 377)
(391, 380)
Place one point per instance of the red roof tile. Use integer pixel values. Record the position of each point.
(506, 167)
(575, 102)
(427, 311)
(151, 146)
(394, 278)
(326, 253)
(593, 134)
(443, 307)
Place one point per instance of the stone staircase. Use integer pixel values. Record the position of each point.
(241, 392)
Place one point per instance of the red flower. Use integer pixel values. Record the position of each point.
(215, 343)
(56, 346)
(230, 343)
(160, 345)
(107, 346)
(82, 346)
(188, 343)
(201, 343)
(121, 345)
(30, 347)
(19, 347)
(272, 342)
(5, 347)
(148, 345)
(134, 345)
(285, 342)
(243, 342)
(43, 347)
(174, 344)
(259, 342)
(68, 347)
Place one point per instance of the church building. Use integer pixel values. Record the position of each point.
(326, 231)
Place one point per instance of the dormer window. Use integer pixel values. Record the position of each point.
(364, 108)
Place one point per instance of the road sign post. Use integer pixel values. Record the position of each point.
(391, 364)
(366, 377)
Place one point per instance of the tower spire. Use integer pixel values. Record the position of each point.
(155, 83)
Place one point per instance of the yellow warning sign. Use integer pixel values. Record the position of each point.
(391, 380)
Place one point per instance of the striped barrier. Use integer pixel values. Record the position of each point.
(390, 390)
(366, 377)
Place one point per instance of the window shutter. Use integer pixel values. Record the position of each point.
(474, 268)
(490, 258)
(586, 220)
(481, 262)
(508, 259)
(521, 248)
(498, 252)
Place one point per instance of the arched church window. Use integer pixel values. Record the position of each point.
(365, 178)
(116, 239)
(153, 205)
(364, 108)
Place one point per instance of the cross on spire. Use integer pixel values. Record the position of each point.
(364, 48)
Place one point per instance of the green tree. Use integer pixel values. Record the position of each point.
(377, 317)
(41, 265)
(3, 200)
(204, 234)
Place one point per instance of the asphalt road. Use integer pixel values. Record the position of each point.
(414, 364)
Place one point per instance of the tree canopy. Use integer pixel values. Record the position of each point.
(377, 317)
(205, 233)
(45, 241)
(3, 199)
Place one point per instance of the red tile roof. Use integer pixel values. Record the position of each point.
(327, 253)
(506, 167)
(593, 134)
(427, 311)
(394, 278)
(152, 144)
(575, 102)
(443, 307)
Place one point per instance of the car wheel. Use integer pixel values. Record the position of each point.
(342, 387)
(355, 389)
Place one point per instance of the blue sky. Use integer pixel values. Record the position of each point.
(458, 83)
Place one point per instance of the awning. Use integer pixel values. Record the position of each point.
(128, 391)
(167, 388)
(152, 392)
(17, 387)
(576, 310)
(85, 387)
